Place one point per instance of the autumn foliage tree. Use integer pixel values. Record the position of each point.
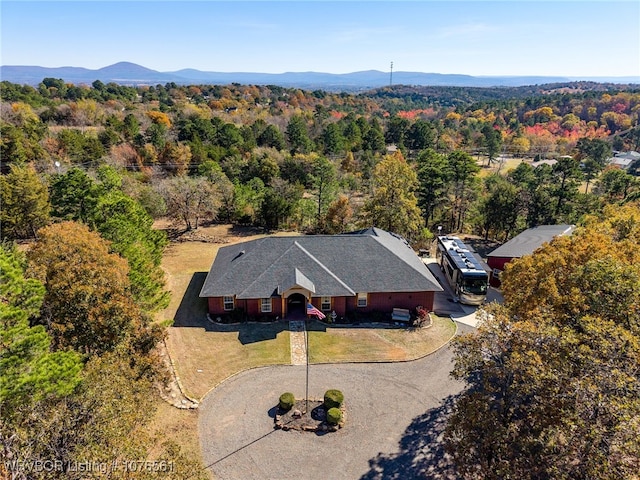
(88, 304)
(104, 206)
(338, 215)
(553, 383)
(393, 205)
(24, 201)
(59, 406)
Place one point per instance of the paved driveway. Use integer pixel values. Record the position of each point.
(394, 416)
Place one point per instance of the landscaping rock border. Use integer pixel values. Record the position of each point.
(173, 392)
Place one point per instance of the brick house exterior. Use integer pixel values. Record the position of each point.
(366, 271)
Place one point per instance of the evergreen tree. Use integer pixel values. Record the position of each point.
(433, 179)
(29, 370)
(298, 135)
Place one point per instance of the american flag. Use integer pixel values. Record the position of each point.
(311, 310)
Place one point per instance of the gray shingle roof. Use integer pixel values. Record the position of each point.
(371, 260)
(528, 241)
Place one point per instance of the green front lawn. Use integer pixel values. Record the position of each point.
(375, 344)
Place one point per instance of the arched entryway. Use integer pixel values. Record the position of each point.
(296, 306)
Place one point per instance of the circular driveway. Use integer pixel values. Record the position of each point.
(394, 416)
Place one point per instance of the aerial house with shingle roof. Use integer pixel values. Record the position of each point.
(366, 271)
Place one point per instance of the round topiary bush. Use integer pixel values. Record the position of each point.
(334, 415)
(287, 400)
(333, 399)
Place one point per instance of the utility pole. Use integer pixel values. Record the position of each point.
(391, 76)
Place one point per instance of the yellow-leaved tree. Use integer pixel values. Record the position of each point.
(553, 384)
(393, 206)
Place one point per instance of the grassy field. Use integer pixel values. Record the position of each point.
(206, 356)
(375, 344)
(508, 163)
(176, 425)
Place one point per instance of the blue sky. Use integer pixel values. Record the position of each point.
(570, 38)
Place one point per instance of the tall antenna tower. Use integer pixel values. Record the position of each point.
(391, 76)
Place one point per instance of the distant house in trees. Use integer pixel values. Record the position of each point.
(366, 271)
(551, 162)
(523, 244)
(624, 160)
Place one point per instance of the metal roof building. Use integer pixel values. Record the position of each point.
(523, 244)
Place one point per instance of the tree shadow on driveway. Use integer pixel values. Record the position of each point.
(421, 453)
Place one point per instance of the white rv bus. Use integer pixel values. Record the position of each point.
(463, 270)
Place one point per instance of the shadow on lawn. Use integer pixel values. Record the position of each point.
(421, 453)
(192, 312)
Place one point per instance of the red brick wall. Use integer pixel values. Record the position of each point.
(386, 302)
(339, 304)
(250, 306)
(216, 307)
(253, 308)
(382, 302)
(499, 263)
(315, 301)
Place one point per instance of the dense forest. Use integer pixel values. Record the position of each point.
(287, 158)
(87, 169)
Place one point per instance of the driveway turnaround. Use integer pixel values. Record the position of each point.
(393, 419)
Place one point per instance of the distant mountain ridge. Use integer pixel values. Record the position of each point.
(127, 73)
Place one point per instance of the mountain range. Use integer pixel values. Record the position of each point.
(126, 73)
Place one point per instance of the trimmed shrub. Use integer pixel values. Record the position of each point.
(287, 400)
(334, 415)
(333, 399)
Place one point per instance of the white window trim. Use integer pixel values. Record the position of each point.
(225, 302)
(361, 297)
(325, 305)
(263, 305)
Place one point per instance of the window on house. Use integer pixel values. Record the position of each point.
(362, 299)
(496, 273)
(265, 305)
(227, 300)
(325, 303)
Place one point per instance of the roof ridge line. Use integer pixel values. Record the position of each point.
(266, 270)
(324, 267)
(378, 239)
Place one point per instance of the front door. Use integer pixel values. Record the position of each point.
(297, 306)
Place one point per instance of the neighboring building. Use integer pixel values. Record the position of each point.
(624, 160)
(523, 244)
(366, 271)
(551, 162)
